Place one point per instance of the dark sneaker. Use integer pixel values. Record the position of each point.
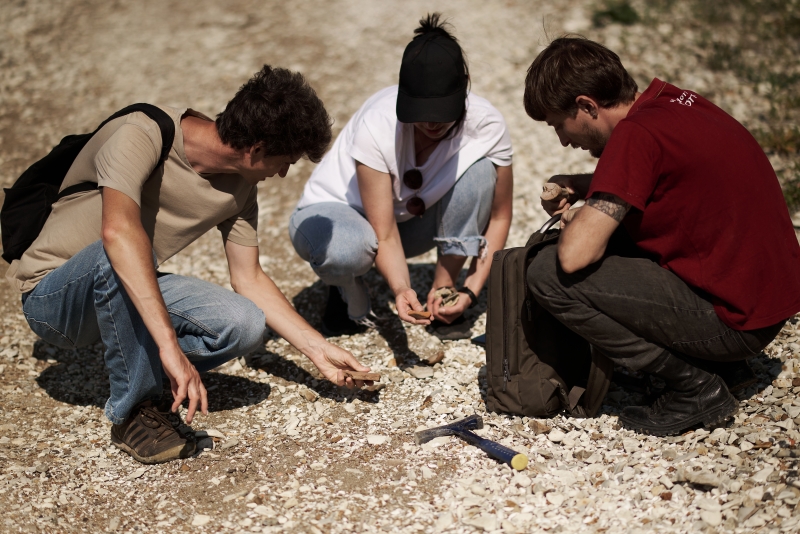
(335, 321)
(150, 437)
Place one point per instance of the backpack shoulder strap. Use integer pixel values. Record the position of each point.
(586, 401)
(599, 380)
(159, 116)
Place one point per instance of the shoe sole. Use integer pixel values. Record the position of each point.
(710, 419)
(175, 453)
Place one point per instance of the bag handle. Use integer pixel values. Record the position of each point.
(549, 224)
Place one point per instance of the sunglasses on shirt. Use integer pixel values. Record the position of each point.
(413, 180)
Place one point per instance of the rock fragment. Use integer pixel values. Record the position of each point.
(420, 372)
(376, 439)
(485, 522)
(200, 520)
(713, 519)
(229, 444)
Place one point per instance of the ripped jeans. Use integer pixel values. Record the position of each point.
(340, 243)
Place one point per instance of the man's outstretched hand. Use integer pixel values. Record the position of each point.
(185, 382)
(405, 301)
(332, 360)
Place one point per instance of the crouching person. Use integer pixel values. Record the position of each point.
(91, 274)
(696, 195)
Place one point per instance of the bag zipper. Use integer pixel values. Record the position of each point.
(506, 370)
(506, 374)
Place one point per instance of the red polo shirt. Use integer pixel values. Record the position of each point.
(708, 205)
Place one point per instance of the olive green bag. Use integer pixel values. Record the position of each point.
(536, 366)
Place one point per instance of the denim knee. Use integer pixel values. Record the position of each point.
(339, 261)
(481, 177)
(333, 254)
(248, 329)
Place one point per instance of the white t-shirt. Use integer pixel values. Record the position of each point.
(377, 139)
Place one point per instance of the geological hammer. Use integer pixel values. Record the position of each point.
(462, 429)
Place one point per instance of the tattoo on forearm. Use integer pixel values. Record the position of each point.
(611, 205)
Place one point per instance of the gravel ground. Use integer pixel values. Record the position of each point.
(291, 453)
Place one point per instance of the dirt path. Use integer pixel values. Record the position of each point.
(295, 454)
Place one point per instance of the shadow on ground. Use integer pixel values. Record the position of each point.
(291, 372)
(311, 301)
(79, 377)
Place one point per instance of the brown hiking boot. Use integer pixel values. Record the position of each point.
(150, 437)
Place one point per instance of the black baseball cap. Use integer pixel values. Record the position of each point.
(433, 84)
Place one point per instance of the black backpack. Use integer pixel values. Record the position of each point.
(29, 201)
(535, 365)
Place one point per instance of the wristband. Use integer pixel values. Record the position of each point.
(473, 299)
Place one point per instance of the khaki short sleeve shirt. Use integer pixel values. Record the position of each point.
(177, 204)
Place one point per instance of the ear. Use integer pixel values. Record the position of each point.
(588, 105)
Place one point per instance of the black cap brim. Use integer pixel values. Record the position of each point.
(439, 109)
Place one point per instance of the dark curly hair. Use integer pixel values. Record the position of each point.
(278, 110)
(571, 66)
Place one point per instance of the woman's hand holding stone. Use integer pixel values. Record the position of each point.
(446, 314)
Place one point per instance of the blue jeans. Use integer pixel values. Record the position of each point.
(340, 243)
(83, 301)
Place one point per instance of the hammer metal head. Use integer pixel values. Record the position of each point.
(473, 422)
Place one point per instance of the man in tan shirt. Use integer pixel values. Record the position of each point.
(91, 273)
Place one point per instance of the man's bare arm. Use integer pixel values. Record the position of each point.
(249, 280)
(611, 205)
(131, 254)
(585, 237)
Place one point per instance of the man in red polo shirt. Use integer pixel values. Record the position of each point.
(715, 271)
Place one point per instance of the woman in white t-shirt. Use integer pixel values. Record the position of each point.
(420, 165)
